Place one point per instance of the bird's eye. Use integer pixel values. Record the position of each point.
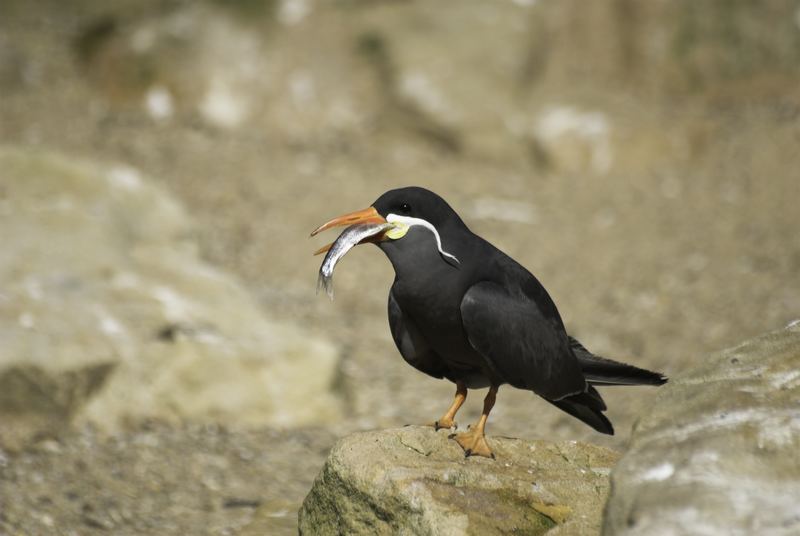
(405, 208)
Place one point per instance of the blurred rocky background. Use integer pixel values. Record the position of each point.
(166, 365)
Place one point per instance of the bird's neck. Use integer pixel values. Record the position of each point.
(421, 270)
(419, 253)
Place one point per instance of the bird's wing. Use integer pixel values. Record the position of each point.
(413, 347)
(519, 343)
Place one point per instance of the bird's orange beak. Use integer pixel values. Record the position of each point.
(367, 215)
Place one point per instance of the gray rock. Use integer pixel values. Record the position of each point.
(107, 313)
(717, 454)
(416, 481)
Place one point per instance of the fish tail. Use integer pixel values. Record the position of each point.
(325, 283)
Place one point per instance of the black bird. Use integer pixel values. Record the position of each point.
(462, 309)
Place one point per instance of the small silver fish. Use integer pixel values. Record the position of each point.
(351, 236)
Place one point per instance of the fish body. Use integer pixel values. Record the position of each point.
(352, 236)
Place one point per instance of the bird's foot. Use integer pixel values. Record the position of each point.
(473, 443)
(444, 422)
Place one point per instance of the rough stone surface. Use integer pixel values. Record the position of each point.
(718, 453)
(416, 481)
(107, 313)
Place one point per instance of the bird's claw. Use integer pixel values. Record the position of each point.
(445, 423)
(473, 444)
(468, 453)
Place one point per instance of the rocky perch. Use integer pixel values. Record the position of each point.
(414, 480)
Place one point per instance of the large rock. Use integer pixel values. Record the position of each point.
(416, 481)
(107, 313)
(718, 453)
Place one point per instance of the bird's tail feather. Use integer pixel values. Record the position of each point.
(587, 407)
(602, 371)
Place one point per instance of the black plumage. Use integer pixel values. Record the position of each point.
(461, 309)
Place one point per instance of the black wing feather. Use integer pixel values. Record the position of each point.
(585, 407)
(519, 343)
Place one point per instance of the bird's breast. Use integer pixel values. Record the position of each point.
(429, 290)
(435, 307)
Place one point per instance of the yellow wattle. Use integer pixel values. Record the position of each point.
(398, 231)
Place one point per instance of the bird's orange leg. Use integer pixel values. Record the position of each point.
(474, 441)
(446, 421)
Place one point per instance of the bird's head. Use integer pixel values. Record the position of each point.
(406, 209)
